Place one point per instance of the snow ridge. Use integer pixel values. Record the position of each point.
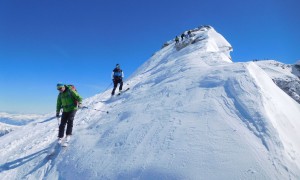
(285, 76)
(190, 113)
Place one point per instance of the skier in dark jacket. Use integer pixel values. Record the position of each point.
(182, 36)
(117, 77)
(189, 34)
(68, 100)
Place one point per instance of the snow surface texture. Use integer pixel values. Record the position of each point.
(285, 76)
(190, 113)
(18, 119)
(10, 122)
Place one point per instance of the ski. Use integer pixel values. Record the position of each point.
(122, 92)
(66, 142)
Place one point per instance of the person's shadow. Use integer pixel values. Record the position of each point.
(22, 161)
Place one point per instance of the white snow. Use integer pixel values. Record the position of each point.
(190, 113)
(18, 119)
(285, 76)
(9, 122)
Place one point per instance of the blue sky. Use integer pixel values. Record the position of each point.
(80, 41)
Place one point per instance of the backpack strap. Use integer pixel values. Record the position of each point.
(71, 95)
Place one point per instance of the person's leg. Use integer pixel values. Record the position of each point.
(121, 85)
(115, 86)
(63, 122)
(70, 123)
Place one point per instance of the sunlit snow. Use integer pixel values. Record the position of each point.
(190, 113)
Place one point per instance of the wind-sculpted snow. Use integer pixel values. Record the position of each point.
(5, 129)
(190, 113)
(285, 76)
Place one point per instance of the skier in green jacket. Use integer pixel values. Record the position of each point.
(69, 100)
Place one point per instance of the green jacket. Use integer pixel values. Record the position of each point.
(68, 100)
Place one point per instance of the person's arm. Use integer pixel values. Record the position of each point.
(58, 105)
(76, 96)
(112, 75)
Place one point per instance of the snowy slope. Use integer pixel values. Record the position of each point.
(5, 129)
(190, 113)
(18, 119)
(285, 76)
(10, 122)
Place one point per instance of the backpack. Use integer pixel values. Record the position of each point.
(117, 73)
(72, 87)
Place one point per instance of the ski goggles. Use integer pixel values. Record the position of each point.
(60, 88)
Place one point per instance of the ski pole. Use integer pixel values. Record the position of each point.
(85, 107)
(108, 87)
(58, 121)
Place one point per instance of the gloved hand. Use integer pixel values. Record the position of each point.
(79, 106)
(57, 115)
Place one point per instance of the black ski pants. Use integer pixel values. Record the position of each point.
(66, 119)
(116, 82)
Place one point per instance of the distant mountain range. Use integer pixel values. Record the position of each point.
(10, 122)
